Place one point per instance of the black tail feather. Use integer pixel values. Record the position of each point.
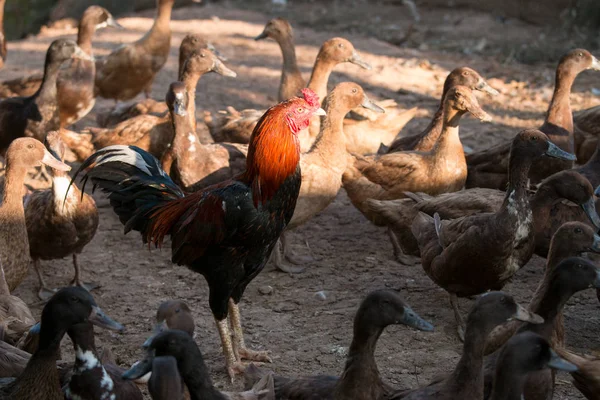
(134, 180)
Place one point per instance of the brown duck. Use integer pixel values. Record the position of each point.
(2, 36)
(549, 210)
(572, 275)
(131, 68)
(61, 221)
(191, 164)
(155, 133)
(34, 116)
(75, 82)
(466, 381)
(474, 254)
(587, 377)
(360, 379)
(442, 169)
(488, 168)
(425, 140)
(23, 153)
(189, 45)
(322, 167)
(15, 316)
(586, 130)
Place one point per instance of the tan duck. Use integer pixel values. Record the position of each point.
(34, 116)
(15, 317)
(587, 377)
(190, 44)
(466, 381)
(549, 210)
(131, 68)
(425, 140)
(2, 36)
(155, 133)
(586, 130)
(570, 276)
(322, 167)
(61, 221)
(572, 239)
(470, 255)
(280, 30)
(22, 154)
(191, 164)
(333, 52)
(442, 169)
(75, 82)
(488, 168)
(40, 379)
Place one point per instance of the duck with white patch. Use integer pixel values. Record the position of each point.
(91, 379)
(60, 221)
(471, 255)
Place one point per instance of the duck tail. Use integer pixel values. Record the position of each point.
(135, 182)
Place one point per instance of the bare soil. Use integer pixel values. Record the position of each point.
(306, 320)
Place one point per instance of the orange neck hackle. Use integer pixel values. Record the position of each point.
(274, 150)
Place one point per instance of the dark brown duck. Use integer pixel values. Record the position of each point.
(488, 168)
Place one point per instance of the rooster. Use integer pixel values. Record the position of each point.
(225, 232)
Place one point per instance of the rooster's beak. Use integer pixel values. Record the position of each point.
(320, 111)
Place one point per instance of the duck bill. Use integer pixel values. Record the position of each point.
(54, 163)
(556, 362)
(356, 59)
(477, 112)
(262, 36)
(597, 192)
(557, 152)
(179, 108)
(589, 207)
(413, 319)
(595, 64)
(526, 316)
(221, 69)
(596, 283)
(369, 105)
(158, 328)
(98, 318)
(82, 55)
(139, 369)
(113, 22)
(483, 86)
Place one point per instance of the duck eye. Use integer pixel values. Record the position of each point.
(580, 54)
(341, 45)
(75, 299)
(177, 310)
(578, 230)
(534, 139)
(466, 73)
(354, 90)
(30, 146)
(503, 300)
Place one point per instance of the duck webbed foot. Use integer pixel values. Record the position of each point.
(280, 264)
(460, 324)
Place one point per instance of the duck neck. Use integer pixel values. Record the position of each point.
(14, 180)
(320, 76)
(468, 377)
(64, 193)
(508, 383)
(549, 307)
(86, 31)
(449, 139)
(559, 112)
(190, 80)
(290, 71)
(360, 364)
(331, 142)
(516, 198)
(196, 377)
(47, 91)
(2, 2)
(84, 344)
(185, 140)
(543, 201)
(162, 21)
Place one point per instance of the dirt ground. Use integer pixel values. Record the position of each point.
(306, 320)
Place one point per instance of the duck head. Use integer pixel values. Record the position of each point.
(533, 143)
(99, 17)
(62, 50)
(575, 238)
(463, 100)
(173, 314)
(203, 61)
(576, 61)
(465, 76)
(29, 152)
(276, 29)
(351, 95)
(575, 274)
(339, 50)
(495, 308)
(385, 307)
(193, 42)
(55, 145)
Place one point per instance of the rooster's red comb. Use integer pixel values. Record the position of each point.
(311, 97)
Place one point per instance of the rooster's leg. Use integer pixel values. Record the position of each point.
(77, 278)
(279, 260)
(239, 344)
(45, 292)
(234, 366)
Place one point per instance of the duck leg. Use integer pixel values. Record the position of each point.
(279, 262)
(89, 286)
(288, 253)
(45, 292)
(239, 345)
(460, 324)
(402, 258)
(232, 363)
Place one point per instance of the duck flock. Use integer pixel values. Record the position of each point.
(225, 191)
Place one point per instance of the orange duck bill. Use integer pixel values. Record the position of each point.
(53, 162)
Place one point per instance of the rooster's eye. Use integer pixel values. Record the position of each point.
(300, 110)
